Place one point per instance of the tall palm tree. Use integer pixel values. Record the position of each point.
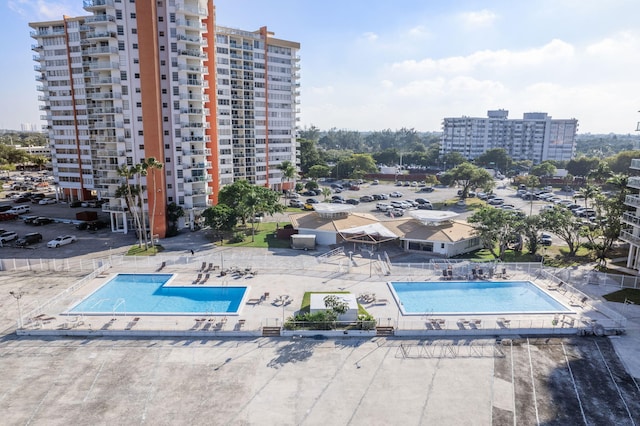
(288, 171)
(128, 173)
(151, 164)
(589, 192)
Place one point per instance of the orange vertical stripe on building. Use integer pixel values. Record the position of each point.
(150, 81)
(212, 104)
(265, 36)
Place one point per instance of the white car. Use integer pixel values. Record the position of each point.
(47, 201)
(61, 241)
(8, 236)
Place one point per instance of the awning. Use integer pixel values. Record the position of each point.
(373, 233)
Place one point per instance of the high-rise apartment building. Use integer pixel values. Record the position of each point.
(630, 231)
(536, 137)
(257, 91)
(137, 80)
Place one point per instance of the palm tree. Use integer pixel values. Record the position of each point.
(288, 171)
(152, 164)
(589, 192)
(128, 172)
(326, 192)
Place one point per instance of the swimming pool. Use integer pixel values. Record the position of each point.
(148, 294)
(478, 297)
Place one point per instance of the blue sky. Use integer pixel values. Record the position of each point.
(378, 64)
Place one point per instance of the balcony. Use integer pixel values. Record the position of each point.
(635, 164)
(99, 18)
(37, 47)
(194, 53)
(632, 200)
(193, 82)
(101, 34)
(193, 68)
(103, 50)
(634, 182)
(46, 33)
(101, 65)
(104, 95)
(195, 97)
(631, 219)
(91, 4)
(629, 238)
(190, 9)
(191, 24)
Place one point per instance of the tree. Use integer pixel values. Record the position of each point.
(326, 192)
(319, 171)
(469, 176)
(495, 158)
(530, 226)
(174, 213)
(546, 168)
(288, 170)
(126, 191)
(601, 173)
(220, 217)
(151, 165)
(452, 159)
(621, 162)
(309, 155)
(564, 225)
(582, 166)
(588, 192)
(311, 185)
(495, 227)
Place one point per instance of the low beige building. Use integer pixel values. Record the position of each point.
(432, 231)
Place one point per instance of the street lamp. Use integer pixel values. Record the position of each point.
(18, 295)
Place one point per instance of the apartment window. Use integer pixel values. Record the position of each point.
(163, 77)
(174, 76)
(138, 104)
(140, 133)
(121, 45)
(163, 62)
(167, 160)
(172, 17)
(139, 121)
(136, 75)
(167, 146)
(123, 75)
(136, 60)
(165, 119)
(169, 185)
(135, 45)
(160, 18)
(166, 133)
(161, 33)
(165, 105)
(137, 90)
(118, 14)
(141, 147)
(125, 90)
(120, 30)
(133, 16)
(134, 31)
(164, 91)
(162, 48)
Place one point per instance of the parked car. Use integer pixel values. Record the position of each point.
(366, 198)
(422, 201)
(427, 189)
(21, 200)
(296, 203)
(546, 239)
(4, 208)
(41, 220)
(395, 194)
(353, 201)
(496, 201)
(395, 212)
(27, 239)
(61, 241)
(5, 237)
(312, 201)
(75, 204)
(45, 201)
(383, 207)
(425, 206)
(28, 220)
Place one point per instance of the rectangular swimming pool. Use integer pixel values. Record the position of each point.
(474, 297)
(148, 294)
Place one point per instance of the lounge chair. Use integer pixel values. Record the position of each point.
(504, 273)
(254, 301)
(205, 279)
(444, 274)
(476, 323)
(449, 274)
(474, 272)
(380, 302)
(197, 280)
(503, 322)
(462, 323)
(241, 322)
(203, 267)
(480, 273)
(162, 265)
(556, 287)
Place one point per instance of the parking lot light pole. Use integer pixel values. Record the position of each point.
(18, 295)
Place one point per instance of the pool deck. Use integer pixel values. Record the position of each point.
(274, 295)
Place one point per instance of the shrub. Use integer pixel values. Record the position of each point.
(237, 237)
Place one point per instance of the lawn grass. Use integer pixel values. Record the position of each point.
(305, 306)
(264, 237)
(620, 296)
(141, 251)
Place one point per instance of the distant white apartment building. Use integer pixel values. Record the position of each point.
(258, 96)
(630, 232)
(536, 137)
(135, 80)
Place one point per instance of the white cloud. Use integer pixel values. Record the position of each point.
(45, 10)
(479, 19)
(369, 36)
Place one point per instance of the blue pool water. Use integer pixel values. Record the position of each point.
(147, 294)
(474, 297)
